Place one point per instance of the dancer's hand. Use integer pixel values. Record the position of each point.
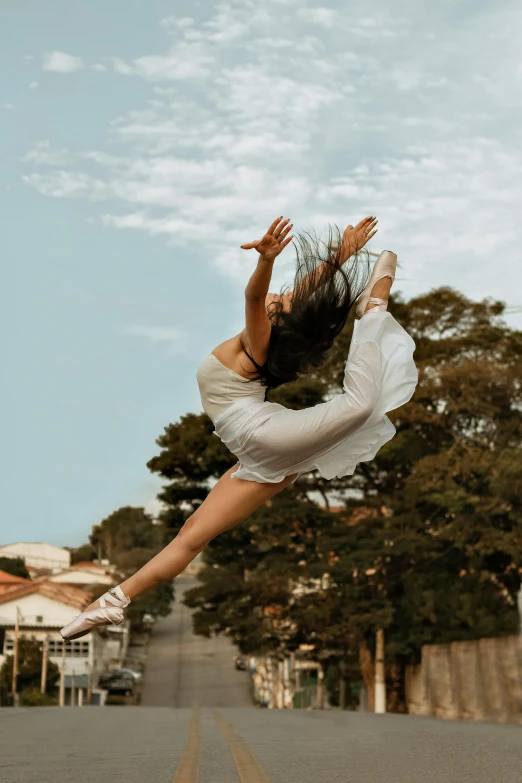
(274, 241)
(355, 238)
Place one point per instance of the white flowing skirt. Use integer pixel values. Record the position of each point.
(271, 441)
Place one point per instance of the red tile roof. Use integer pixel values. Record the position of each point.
(65, 594)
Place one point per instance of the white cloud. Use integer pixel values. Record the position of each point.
(33, 85)
(175, 339)
(185, 65)
(181, 22)
(68, 184)
(60, 62)
(328, 117)
(8, 105)
(322, 16)
(98, 67)
(226, 25)
(43, 154)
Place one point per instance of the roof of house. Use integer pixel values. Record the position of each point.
(6, 578)
(64, 593)
(33, 543)
(87, 564)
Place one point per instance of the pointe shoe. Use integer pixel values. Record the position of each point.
(385, 266)
(105, 615)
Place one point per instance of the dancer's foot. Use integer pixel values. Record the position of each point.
(107, 610)
(375, 295)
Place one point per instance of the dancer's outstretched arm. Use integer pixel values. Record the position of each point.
(258, 324)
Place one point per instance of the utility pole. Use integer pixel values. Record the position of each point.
(45, 649)
(89, 682)
(320, 687)
(342, 693)
(380, 677)
(62, 677)
(519, 603)
(14, 682)
(73, 692)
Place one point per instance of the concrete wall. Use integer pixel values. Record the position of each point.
(271, 681)
(284, 684)
(480, 680)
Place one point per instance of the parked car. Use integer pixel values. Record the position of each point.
(123, 671)
(132, 672)
(240, 662)
(118, 682)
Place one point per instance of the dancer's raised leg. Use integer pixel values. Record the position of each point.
(380, 290)
(230, 501)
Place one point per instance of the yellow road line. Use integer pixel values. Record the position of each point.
(248, 767)
(188, 768)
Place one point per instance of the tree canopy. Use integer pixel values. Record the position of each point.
(14, 566)
(428, 543)
(29, 669)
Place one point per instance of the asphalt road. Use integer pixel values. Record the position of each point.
(199, 727)
(248, 745)
(185, 670)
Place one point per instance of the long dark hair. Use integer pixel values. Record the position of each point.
(301, 338)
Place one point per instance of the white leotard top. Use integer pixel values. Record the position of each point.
(219, 386)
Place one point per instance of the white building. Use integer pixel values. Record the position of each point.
(44, 608)
(38, 555)
(82, 575)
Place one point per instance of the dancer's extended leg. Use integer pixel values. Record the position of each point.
(230, 501)
(381, 289)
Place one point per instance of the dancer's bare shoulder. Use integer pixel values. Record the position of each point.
(230, 352)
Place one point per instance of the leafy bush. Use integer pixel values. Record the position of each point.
(33, 698)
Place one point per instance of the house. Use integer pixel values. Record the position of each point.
(83, 574)
(43, 608)
(8, 581)
(38, 555)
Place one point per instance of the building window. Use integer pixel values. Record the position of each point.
(8, 646)
(74, 649)
(39, 618)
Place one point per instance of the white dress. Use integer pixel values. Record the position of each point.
(271, 441)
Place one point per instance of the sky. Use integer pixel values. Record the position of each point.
(144, 142)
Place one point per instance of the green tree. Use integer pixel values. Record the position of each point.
(126, 529)
(251, 570)
(156, 602)
(429, 549)
(83, 554)
(29, 669)
(14, 566)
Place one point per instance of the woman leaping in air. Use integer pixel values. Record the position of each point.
(285, 336)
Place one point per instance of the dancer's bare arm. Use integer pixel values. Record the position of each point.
(354, 239)
(258, 324)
